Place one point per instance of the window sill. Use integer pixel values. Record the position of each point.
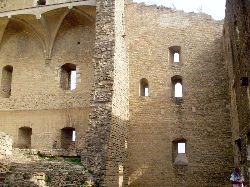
(181, 160)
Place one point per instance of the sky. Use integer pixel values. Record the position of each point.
(215, 8)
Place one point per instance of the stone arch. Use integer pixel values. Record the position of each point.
(74, 17)
(23, 25)
(18, 27)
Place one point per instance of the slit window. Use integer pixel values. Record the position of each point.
(6, 81)
(68, 76)
(144, 87)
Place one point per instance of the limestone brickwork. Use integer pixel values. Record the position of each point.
(237, 57)
(201, 117)
(127, 119)
(105, 140)
(36, 47)
(5, 145)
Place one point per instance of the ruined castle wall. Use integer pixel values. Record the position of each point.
(5, 145)
(200, 118)
(46, 126)
(37, 99)
(105, 140)
(237, 56)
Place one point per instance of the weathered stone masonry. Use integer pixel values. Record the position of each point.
(127, 119)
(237, 57)
(105, 141)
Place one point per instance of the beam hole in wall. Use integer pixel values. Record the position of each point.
(24, 137)
(68, 137)
(175, 55)
(41, 2)
(6, 81)
(144, 87)
(68, 76)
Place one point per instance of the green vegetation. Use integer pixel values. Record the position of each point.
(76, 160)
(48, 179)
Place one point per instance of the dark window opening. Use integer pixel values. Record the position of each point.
(24, 137)
(68, 137)
(6, 81)
(144, 87)
(68, 76)
(244, 81)
(238, 143)
(41, 2)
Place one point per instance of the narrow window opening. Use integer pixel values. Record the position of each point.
(74, 136)
(176, 57)
(68, 137)
(6, 81)
(68, 76)
(73, 80)
(144, 87)
(120, 175)
(179, 152)
(181, 148)
(178, 90)
(146, 92)
(24, 137)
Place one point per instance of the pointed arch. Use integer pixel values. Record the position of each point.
(31, 28)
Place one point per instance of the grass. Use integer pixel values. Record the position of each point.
(76, 160)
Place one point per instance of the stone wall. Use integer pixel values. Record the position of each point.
(201, 118)
(105, 141)
(6, 5)
(37, 100)
(237, 57)
(5, 145)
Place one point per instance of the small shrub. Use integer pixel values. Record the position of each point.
(48, 179)
(76, 160)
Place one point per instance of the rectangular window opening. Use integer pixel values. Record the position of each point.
(176, 57)
(73, 80)
(181, 148)
(73, 135)
(146, 91)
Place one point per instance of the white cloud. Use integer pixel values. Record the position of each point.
(215, 8)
